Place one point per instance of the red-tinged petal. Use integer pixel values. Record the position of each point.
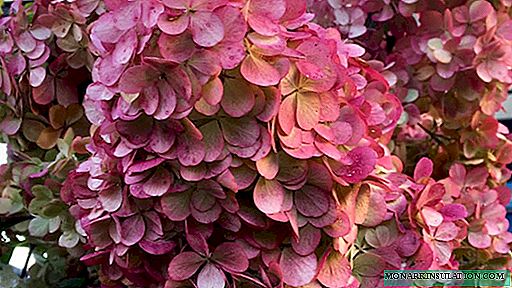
(479, 240)
(206, 62)
(202, 202)
(212, 92)
(173, 25)
(136, 78)
(408, 244)
(268, 166)
(211, 277)
(342, 132)
(151, 10)
(231, 256)
(505, 30)
(267, 45)
(239, 97)
(479, 10)
(209, 216)
(242, 132)
(263, 25)
(423, 169)
(309, 239)
(159, 183)
(335, 271)
(271, 105)
(45, 93)
(136, 132)
(177, 48)
(328, 149)
(37, 76)
(447, 231)
(191, 151)
(159, 247)
(177, 4)
(162, 139)
(458, 173)
(453, 212)
(214, 143)
(286, 116)
(431, 217)
(311, 201)
(132, 230)
(26, 42)
(259, 72)
(234, 23)
(167, 103)
(111, 198)
(128, 15)
(184, 265)
(358, 127)
(308, 110)
(125, 47)
(297, 270)
(176, 205)
(362, 162)
(207, 29)
(370, 208)
(230, 54)
(268, 196)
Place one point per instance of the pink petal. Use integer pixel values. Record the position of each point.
(37, 76)
(308, 110)
(159, 183)
(287, 114)
(447, 231)
(268, 166)
(174, 25)
(423, 169)
(132, 230)
(159, 247)
(263, 25)
(135, 78)
(431, 216)
(111, 198)
(207, 29)
(309, 239)
(176, 206)
(453, 212)
(125, 47)
(259, 72)
(335, 271)
(210, 277)
(128, 15)
(311, 201)
(268, 196)
(297, 270)
(190, 150)
(231, 256)
(238, 99)
(167, 103)
(177, 48)
(184, 265)
(213, 140)
(479, 10)
(241, 132)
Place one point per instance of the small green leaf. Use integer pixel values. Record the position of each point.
(412, 95)
(5, 205)
(42, 192)
(68, 239)
(368, 265)
(38, 227)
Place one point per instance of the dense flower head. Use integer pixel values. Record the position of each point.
(223, 143)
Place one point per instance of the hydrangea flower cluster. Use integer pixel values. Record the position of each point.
(247, 143)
